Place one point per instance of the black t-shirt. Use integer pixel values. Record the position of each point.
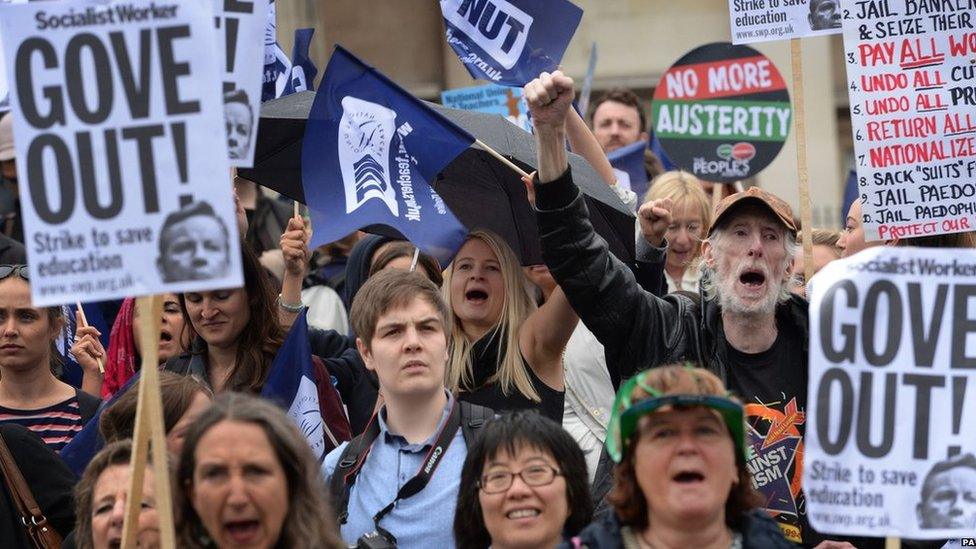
(773, 386)
(485, 355)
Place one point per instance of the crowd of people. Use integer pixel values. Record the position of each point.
(587, 402)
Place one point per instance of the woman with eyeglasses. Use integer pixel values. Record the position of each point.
(30, 394)
(678, 440)
(523, 484)
(690, 218)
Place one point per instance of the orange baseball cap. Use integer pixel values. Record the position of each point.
(779, 208)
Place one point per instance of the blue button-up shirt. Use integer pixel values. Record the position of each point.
(425, 519)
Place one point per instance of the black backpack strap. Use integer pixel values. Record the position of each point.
(350, 462)
(474, 418)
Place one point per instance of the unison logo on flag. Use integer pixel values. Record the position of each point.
(365, 135)
(499, 28)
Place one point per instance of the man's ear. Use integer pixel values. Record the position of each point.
(707, 253)
(365, 353)
(646, 137)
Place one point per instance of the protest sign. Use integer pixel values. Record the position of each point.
(118, 119)
(891, 417)
(911, 81)
(722, 112)
(4, 88)
(491, 98)
(277, 66)
(240, 31)
(509, 41)
(764, 20)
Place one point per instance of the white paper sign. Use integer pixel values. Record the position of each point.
(240, 39)
(765, 20)
(118, 119)
(891, 408)
(911, 81)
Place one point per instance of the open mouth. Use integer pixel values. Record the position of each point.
(165, 336)
(476, 296)
(688, 477)
(752, 279)
(115, 543)
(522, 514)
(242, 530)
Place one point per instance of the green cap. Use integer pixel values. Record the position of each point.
(626, 413)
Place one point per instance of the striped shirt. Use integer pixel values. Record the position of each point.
(56, 424)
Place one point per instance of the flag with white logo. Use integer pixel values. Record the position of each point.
(369, 151)
(303, 69)
(291, 384)
(510, 42)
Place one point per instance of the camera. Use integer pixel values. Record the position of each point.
(374, 540)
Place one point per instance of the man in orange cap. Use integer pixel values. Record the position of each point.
(744, 325)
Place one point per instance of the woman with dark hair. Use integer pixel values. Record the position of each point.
(30, 394)
(247, 477)
(184, 398)
(125, 347)
(238, 336)
(678, 439)
(100, 498)
(524, 484)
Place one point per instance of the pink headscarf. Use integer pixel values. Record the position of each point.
(121, 363)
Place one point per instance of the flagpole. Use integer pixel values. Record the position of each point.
(149, 435)
(481, 145)
(84, 322)
(800, 123)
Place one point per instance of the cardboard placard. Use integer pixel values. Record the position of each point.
(911, 81)
(891, 417)
(117, 121)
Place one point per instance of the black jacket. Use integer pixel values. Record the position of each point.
(11, 251)
(638, 329)
(758, 532)
(50, 481)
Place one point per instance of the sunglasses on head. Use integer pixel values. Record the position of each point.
(10, 270)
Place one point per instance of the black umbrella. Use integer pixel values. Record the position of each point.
(479, 189)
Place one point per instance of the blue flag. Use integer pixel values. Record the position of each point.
(71, 372)
(630, 160)
(658, 150)
(850, 195)
(277, 66)
(369, 150)
(291, 385)
(77, 453)
(510, 41)
(303, 70)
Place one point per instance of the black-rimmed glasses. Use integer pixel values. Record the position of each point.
(500, 481)
(8, 270)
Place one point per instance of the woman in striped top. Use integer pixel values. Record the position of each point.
(30, 394)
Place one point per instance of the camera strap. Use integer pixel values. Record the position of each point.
(427, 467)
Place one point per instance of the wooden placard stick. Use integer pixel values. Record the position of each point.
(800, 123)
(892, 543)
(717, 189)
(84, 322)
(481, 145)
(149, 427)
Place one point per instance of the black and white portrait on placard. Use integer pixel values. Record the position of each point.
(948, 498)
(239, 119)
(824, 14)
(193, 245)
